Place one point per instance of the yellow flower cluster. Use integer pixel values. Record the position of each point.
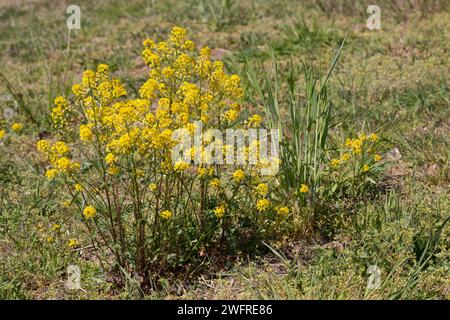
(356, 149)
(60, 113)
(254, 121)
(262, 189)
(356, 144)
(180, 166)
(89, 212)
(57, 155)
(262, 205)
(73, 243)
(16, 127)
(215, 183)
(239, 175)
(165, 214)
(202, 90)
(283, 211)
(304, 188)
(219, 211)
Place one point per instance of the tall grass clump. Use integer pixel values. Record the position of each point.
(315, 172)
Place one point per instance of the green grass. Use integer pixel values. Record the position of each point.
(393, 81)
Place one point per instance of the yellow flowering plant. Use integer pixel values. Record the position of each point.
(350, 173)
(150, 212)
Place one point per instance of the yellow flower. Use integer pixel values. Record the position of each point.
(177, 36)
(356, 146)
(43, 146)
(51, 173)
(204, 118)
(180, 166)
(201, 171)
(63, 164)
(110, 158)
(254, 121)
(345, 157)
(205, 52)
(219, 211)
(189, 45)
(16, 127)
(89, 212)
(167, 72)
(283, 211)
(373, 137)
(78, 187)
(152, 187)
(66, 203)
(139, 173)
(231, 115)
(365, 168)
(262, 189)
(377, 157)
(78, 90)
(238, 175)
(166, 214)
(148, 43)
(123, 144)
(362, 137)
(335, 163)
(148, 89)
(73, 243)
(2, 134)
(56, 227)
(85, 133)
(87, 80)
(348, 143)
(58, 113)
(60, 101)
(215, 183)
(60, 147)
(262, 205)
(304, 188)
(102, 68)
(50, 239)
(113, 171)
